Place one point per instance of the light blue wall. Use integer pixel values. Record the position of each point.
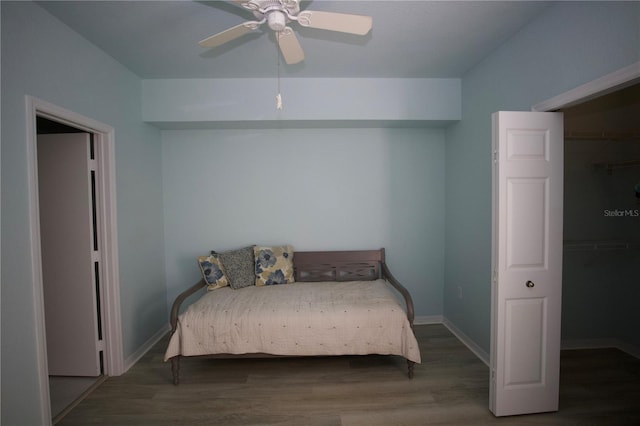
(318, 189)
(43, 58)
(570, 44)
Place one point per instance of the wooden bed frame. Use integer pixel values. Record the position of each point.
(315, 266)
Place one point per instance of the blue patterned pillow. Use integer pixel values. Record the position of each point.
(212, 271)
(274, 265)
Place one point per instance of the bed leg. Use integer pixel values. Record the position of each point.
(175, 369)
(410, 365)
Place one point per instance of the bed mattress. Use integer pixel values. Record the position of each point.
(306, 318)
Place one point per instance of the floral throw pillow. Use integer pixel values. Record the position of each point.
(274, 265)
(212, 271)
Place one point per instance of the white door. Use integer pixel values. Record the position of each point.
(526, 262)
(68, 255)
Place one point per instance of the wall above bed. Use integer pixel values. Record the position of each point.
(316, 189)
(343, 102)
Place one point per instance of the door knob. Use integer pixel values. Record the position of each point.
(530, 284)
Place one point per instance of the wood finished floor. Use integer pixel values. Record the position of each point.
(451, 387)
(65, 390)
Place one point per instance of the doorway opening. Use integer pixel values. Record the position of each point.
(538, 149)
(71, 267)
(602, 190)
(602, 114)
(602, 222)
(104, 279)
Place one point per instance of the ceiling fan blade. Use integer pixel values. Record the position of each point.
(290, 46)
(247, 4)
(230, 34)
(343, 22)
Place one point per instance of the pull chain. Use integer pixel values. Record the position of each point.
(278, 96)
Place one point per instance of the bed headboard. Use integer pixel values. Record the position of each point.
(357, 265)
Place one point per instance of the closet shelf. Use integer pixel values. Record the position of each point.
(612, 165)
(600, 245)
(603, 135)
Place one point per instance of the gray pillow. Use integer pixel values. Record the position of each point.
(239, 265)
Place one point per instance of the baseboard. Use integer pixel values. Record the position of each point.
(135, 357)
(439, 319)
(427, 319)
(601, 343)
(467, 341)
(628, 348)
(588, 344)
(632, 350)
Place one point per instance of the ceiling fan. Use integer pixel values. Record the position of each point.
(277, 14)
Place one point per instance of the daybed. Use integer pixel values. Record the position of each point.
(340, 303)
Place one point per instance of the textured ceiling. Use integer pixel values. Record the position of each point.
(428, 39)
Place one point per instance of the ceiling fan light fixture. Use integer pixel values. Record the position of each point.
(277, 20)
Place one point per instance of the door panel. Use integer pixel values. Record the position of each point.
(526, 205)
(527, 262)
(66, 216)
(525, 332)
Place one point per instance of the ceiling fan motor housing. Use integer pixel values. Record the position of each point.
(276, 20)
(277, 12)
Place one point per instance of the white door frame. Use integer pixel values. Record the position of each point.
(611, 82)
(108, 244)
